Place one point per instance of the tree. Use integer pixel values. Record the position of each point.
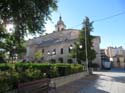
(87, 25)
(27, 16)
(38, 55)
(12, 47)
(80, 53)
(3, 35)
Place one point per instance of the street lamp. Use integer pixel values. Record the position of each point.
(71, 47)
(48, 53)
(51, 54)
(80, 47)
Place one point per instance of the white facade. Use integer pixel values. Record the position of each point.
(58, 41)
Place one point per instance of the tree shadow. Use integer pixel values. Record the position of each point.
(93, 90)
(93, 87)
(120, 79)
(85, 85)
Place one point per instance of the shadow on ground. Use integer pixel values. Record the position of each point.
(79, 86)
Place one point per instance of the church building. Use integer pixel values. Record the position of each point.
(57, 45)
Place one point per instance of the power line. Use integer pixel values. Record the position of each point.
(109, 17)
(76, 25)
(102, 19)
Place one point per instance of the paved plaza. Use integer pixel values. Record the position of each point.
(112, 81)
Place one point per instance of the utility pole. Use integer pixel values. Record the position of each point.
(86, 49)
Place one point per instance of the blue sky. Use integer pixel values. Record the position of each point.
(112, 31)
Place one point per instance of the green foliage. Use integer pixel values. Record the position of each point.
(53, 72)
(80, 53)
(63, 69)
(30, 75)
(38, 55)
(75, 68)
(8, 81)
(87, 25)
(20, 67)
(52, 61)
(26, 72)
(5, 66)
(70, 61)
(28, 16)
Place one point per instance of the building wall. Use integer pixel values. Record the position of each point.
(57, 47)
(118, 56)
(71, 35)
(62, 38)
(96, 46)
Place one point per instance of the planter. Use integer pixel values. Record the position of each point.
(69, 78)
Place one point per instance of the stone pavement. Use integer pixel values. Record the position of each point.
(101, 82)
(78, 85)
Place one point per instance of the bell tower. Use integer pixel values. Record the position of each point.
(60, 26)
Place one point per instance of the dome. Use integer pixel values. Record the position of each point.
(60, 25)
(60, 21)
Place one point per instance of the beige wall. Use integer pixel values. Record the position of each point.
(69, 34)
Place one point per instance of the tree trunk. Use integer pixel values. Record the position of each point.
(90, 70)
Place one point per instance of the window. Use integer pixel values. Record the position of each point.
(60, 60)
(42, 50)
(61, 50)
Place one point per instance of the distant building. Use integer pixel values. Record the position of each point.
(117, 55)
(57, 45)
(104, 57)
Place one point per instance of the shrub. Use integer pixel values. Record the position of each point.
(25, 72)
(4, 67)
(8, 81)
(2, 60)
(53, 72)
(63, 69)
(20, 67)
(70, 61)
(52, 61)
(44, 68)
(30, 75)
(60, 60)
(75, 68)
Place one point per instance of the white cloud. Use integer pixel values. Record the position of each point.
(50, 27)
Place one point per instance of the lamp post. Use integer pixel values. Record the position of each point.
(86, 50)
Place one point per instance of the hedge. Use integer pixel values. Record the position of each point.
(12, 74)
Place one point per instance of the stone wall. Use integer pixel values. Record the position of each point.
(67, 79)
(59, 81)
